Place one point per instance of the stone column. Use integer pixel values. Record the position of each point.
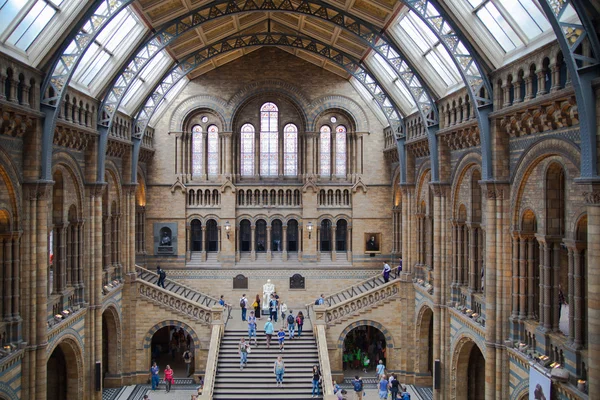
(16, 278)
(531, 267)
(204, 243)
(555, 70)
(349, 243)
(333, 238)
(472, 259)
(515, 276)
(188, 247)
(284, 248)
(541, 79)
(253, 242)
(269, 254)
(593, 283)
(571, 289)
(491, 290)
(547, 286)
(523, 276)
(577, 304)
(8, 278)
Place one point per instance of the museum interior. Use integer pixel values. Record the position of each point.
(296, 147)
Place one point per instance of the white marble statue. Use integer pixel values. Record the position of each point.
(268, 290)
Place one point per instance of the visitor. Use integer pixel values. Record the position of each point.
(394, 387)
(283, 311)
(300, 322)
(269, 332)
(383, 388)
(256, 306)
(174, 348)
(291, 321)
(357, 358)
(399, 268)
(321, 300)
(316, 378)
(380, 369)
(222, 301)
(273, 309)
(169, 378)
(281, 338)
(154, 375)
(357, 384)
(386, 271)
(161, 276)
(243, 306)
(187, 357)
(279, 370)
(336, 387)
(243, 352)
(365, 363)
(345, 361)
(146, 397)
(252, 328)
(340, 394)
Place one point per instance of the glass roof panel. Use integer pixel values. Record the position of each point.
(147, 79)
(162, 106)
(36, 17)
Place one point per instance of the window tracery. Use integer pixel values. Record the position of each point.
(213, 150)
(269, 139)
(197, 151)
(290, 150)
(247, 150)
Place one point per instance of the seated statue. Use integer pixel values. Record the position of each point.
(268, 290)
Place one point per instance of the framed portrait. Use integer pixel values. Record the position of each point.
(372, 242)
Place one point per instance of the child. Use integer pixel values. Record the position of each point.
(281, 337)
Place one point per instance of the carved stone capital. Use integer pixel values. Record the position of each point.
(439, 189)
(96, 189)
(407, 188)
(129, 188)
(38, 190)
(496, 190)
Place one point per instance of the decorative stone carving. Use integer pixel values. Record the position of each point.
(297, 282)
(240, 282)
(592, 198)
(175, 303)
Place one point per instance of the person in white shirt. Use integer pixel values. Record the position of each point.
(244, 306)
(386, 271)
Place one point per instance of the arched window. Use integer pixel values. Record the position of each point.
(268, 140)
(213, 150)
(325, 150)
(290, 150)
(340, 151)
(247, 150)
(197, 151)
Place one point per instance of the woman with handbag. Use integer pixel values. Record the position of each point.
(256, 306)
(316, 379)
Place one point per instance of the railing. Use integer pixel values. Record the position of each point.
(212, 360)
(321, 339)
(359, 288)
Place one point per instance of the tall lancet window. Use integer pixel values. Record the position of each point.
(213, 150)
(197, 151)
(290, 150)
(340, 151)
(268, 140)
(325, 151)
(247, 150)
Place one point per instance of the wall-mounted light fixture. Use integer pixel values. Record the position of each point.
(227, 228)
(309, 226)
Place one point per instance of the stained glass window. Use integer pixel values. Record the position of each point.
(325, 150)
(268, 139)
(340, 150)
(213, 150)
(290, 150)
(197, 151)
(247, 150)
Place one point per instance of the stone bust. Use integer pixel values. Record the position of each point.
(165, 240)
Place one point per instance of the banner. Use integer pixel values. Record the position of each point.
(539, 385)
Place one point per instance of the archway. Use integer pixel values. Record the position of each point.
(212, 236)
(196, 228)
(276, 235)
(245, 236)
(360, 341)
(111, 359)
(470, 371)
(63, 372)
(325, 235)
(168, 346)
(292, 235)
(341, 231)
(424, 354)
(261, 236)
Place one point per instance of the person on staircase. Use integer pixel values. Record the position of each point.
(162, 275)
(386, 271)
(269, 329)
(279, 370)
(243, 352)
(252, 329)
(383, 387)
(300, 322)
(316, 379)
(284, 309)
(169, 377)
(291, 322)
(244, 306)
(154, 375)
(256, 306)
(281, 338)
(357, 384)
(187, 357)
(273, 308)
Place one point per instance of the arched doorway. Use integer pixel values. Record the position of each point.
(276, 234)
(245, 235)
(212, 236)
(110, 348)
(196, 227)
(63, 372)
(424, 354)
(168, 346)
(341, 230)
(261, 235)
(470, 371)
(325, 235)
(292, 235)
(360, 341)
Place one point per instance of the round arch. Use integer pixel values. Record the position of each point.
(324, 104)
(365, 322)
(111, 342)
(7, 393)
(424, 336)
(178, 324)
(70, 347)
(193, 103)
(466, 359)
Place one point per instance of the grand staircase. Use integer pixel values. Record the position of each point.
(257, 380)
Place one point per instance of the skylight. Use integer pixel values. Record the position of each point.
(147, 80)
(32, 17)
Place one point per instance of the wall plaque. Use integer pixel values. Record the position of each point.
(240, 282)
(297, 282)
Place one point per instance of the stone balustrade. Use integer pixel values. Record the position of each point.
(218, 328)
(174, 302)
(321, 339)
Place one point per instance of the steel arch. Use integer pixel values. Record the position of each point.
(582, 70)
(53, 89)
(368, 33)
(352, 65)
(472, 73)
